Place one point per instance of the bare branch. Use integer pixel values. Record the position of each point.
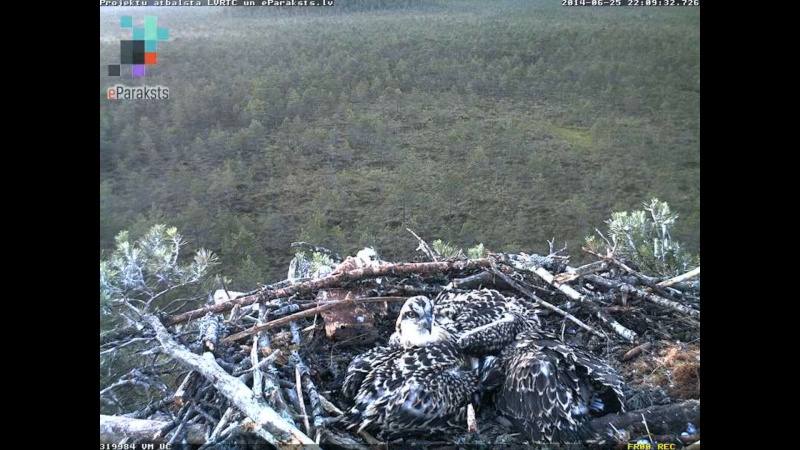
(116, 429)
(675, 280)
(424, 247)
(335, 280)
(230, 387)
(525, 291)
(307, 313)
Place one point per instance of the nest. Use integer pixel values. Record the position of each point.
(290, 346)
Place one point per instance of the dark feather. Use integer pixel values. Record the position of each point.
(551, 389)
(415, 391)
(484, 321)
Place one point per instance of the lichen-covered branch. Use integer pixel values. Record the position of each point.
(230, 387)
(115, 429)
(661, 301)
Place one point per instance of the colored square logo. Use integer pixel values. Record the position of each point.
(137, 70)
(126, 52)
(150, 28)
(142, 49)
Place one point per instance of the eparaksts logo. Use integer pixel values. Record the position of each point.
(120, 92)
(142, 50)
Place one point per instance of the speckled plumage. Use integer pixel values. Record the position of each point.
(442, 355)
(551, 389)
(420, 383)
(420, 390)
(548, 389)
(484, 321)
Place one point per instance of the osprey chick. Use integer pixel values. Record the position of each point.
(550, 389)
(420, 383)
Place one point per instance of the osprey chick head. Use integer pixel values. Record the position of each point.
(415, 323)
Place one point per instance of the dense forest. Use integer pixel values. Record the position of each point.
(505, 123)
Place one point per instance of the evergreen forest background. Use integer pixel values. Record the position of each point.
(502, 122)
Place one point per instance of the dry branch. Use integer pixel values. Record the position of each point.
(229, 386)
(576, 272)
(675, 280)
(618, 328)
(661, 301)
(118, 334)
(330, 407)
(335, 280)
(227, 416)
(423, 246)
(601, 282)
(307, 313)
(525, 291)
(339, 440)
(313, 396)
(550, 279)
(115, 429)
(663, 419)
(480, 279)
(298, 385)
(647, 281)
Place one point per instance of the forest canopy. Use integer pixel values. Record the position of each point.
(503, 123)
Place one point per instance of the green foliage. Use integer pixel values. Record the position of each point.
(449, 252)
(143, 270)
(645, 238)
(143, 276)
(446, 251)
(320, 259)
(476, 252)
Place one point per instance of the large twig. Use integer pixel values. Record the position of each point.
(330, 407)
(482, 278)
(576, 272)
(229, 386)
(675, 280)
(525, 291)
(335, 280)
(313, 396)
(340, 440)
(227, 416)
(115, 429)
(618, 328)
(424, 247)
(283, 321)
(675, 306)
(298, 385)
(647, 281)
(663, 419)
(550, 279)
